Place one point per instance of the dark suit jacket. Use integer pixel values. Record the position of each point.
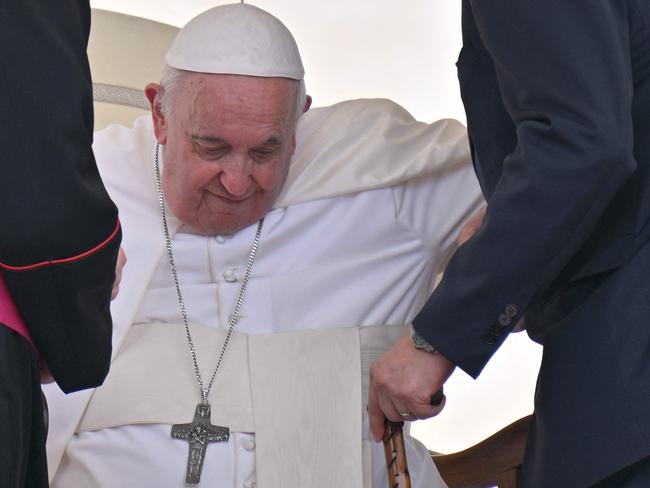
(557, 96)
(59, 229)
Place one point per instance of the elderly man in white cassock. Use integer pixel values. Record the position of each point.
(272, 258)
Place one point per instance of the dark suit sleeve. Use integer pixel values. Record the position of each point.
(563, 70)
(60, 231)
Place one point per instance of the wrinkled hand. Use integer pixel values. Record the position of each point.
(121, 261)
(403, 380)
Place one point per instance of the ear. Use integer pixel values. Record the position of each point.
(307, 104)
(153, 92)
(304, 110)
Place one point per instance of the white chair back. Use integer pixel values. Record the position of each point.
(125, 53)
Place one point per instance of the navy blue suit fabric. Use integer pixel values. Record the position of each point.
(557, 96)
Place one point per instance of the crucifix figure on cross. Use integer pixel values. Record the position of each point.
(198, 434)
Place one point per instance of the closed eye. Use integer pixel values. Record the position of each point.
(265, 151)
(215, 153)
(210, 150)
(261, 155)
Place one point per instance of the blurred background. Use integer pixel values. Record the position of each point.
(404, 51)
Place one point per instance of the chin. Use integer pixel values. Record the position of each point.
(225, 226)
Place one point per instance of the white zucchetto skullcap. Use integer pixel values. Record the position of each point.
(237, 39)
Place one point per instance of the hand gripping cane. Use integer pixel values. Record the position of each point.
(395, 450)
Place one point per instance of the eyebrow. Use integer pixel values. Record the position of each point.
(215, 140)
(271, 141)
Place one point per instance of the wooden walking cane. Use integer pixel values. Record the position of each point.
(395, 450)
(398, 471)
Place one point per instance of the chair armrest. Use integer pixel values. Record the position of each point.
(493, 461)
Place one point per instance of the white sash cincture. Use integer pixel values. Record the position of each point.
(302, 393)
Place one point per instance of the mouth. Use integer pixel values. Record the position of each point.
(230, 199)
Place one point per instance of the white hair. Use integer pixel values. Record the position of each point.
(171, 80)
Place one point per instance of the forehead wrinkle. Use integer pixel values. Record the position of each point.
(213, 102)
(189, 121)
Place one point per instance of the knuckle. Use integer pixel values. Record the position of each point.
(383, 383)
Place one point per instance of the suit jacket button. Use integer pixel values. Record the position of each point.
(504, 320)
(511, 311)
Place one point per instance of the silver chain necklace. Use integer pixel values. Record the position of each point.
(200, 432)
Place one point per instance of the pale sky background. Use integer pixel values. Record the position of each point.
(404, 51)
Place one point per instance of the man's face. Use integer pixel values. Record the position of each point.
(228, 142)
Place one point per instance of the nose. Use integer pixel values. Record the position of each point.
(236, 177)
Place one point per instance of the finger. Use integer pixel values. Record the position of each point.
(376, 417)
(119, 265)
(121, 258)
(424, 410)
(393, 406)
(385, 409)
(402, 412)
(121, 261)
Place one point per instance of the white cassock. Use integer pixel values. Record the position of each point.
(348, 256)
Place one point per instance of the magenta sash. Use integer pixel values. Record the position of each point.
(9, 313)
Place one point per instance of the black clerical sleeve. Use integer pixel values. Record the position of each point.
(59, 230)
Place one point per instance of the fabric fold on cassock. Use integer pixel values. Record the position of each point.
(375, 144)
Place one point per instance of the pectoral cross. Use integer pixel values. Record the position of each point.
(198, 434)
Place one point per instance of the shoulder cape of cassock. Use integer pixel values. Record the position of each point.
(349, 147)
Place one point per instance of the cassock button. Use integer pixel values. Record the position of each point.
(220, 239)
(247, 444)
(511, 311)
(504, 320)
(230, 275)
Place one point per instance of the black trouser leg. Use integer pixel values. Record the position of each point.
(22, 434)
